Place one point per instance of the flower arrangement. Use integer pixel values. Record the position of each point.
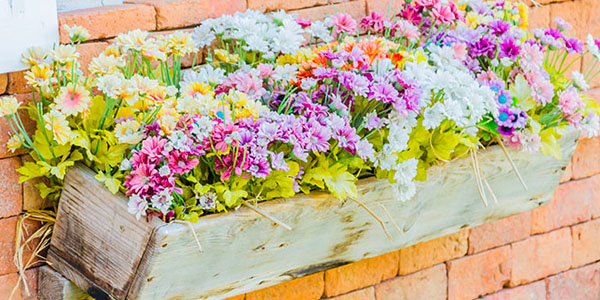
(286, 105)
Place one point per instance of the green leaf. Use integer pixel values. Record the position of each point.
(31, 170)
(339, 182)
(59, 170)
(444, 144)
(113, 184)
(550, 144)
(522, 92)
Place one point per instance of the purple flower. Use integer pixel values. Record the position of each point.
(509, 49)
(321, 72)
(277, 161)
(562, 24)
(499, 27)
(384, 92)
(573, 45)
(483, 47)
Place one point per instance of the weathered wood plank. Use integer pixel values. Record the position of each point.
(96, 235)
(53, 286)
(243, 251)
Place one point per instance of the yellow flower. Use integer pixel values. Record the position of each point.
(128, 132)
(196, 98)
(8, 106)
(524, 16)
(13, 143)
(252, 109)
(125, 113)
(64, 54)
(134, 39)
(180, 43)
(39, 75)
(152, 51)
(77, 33)
(34, 56)
(59, 126)
(112, 50)
(226, 57)
(167, 119)
(106, 64)
(196, 88)
(72, 100)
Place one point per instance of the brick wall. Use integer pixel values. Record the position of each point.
(549, 253)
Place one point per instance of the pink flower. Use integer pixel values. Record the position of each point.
(179, 162)
(442, 14)
(152, 148)
(575, 119)
(531, 56)
(542, 89)
(344, 23)
(265, 70)
(427, 3)
(405, 29)
(569, 101)
(374, 21)
(139, 181)
(515, 141)
(221, 136)
(304, 23)
(460, 51)
(487, 76)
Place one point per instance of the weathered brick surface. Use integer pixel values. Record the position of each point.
(363, 294)
(17, 83)
(309, 287)
(426, 254)
(499, 233)
(428, 284)
(582, 14)
(577, 284)
(539, 17)
(361, 274)
(7, 284)
(31, 292)
(8, 228)
(586, 243)
(561, 211)
(479, 274)
(11, 192)
(88, 51)
(357, 9)
(387, 7)
(182, 13)
(585, 159)
(540, 256)
(3, 82)
(533, 291)
(108, 21)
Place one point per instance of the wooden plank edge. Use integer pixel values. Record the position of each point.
(53, 286)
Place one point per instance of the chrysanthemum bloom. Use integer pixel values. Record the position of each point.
(531, 57)
(105, 64)
(59, 126)
(180, 43)
(569, 101)
(13, 143)
(344, 23)
(128, 132)
(39, 75)
(64, 54)
(77, 33)
(134, 40)
(34, 56)
(72, 100)
(8, 105)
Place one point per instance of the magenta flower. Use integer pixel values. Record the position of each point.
(179, 162)
(344, 23)
(153, 148)
(304, 23)
(140, 180)
(384, 92)
(375, 21)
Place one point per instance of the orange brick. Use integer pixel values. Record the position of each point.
(270, 5)
(572, 203)
(8, 228)
(582, 14)
(87, 51)
(108, 21)
(357, 9)
(309, 287)
(386, 7)
(11, 191)
(182, 13)
(361, 274)
(568, 173)
(426, 254)
(479, 274)
(17, 83)
(586, 238)
(539, 17)
(364, 294)
(3, 82)
(428, 284)
(499, 233)
(7, 284)
(583, 166)
(238, 297)
(5, 128)
(532, 291)
(577, 284)
(31, 277)
(540, 256)
(31, 195)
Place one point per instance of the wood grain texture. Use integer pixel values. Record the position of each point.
(243, 251)
(53, 286)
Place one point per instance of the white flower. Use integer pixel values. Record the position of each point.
(206, 74)
(592, 47)
(285, 73)
(404, 176)
(308, 83)
(319, 30)
(125, 165)
(203, 35)
(162, 201)
(137, 206)
(207, 200)
(591, 125)
(110, 84)
(128, 132)
(164, 171)
(579, 81)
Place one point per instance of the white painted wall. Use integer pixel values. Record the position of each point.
(25, 23)
(66, 5)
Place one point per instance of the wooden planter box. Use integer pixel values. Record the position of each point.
(104, 250)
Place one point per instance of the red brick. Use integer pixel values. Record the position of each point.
(182, 13)
(7, 284)
(386, 7)
(583, 163)
(31, 277)
(271, 5)
(3, 82)
(108, 21)
(8, 228)
(532, 291)
(357, 9)
(499, 233)
(17, 83)
(572, 203)
(540, 256)
(539, 17)
(582, 14)
(479, 274)
(428, 284)
(429, 253)
(238, 297)
(364, 294)
(586, 241)
(361, 274)
(309, 287)
(11, 191)
(577, 284)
